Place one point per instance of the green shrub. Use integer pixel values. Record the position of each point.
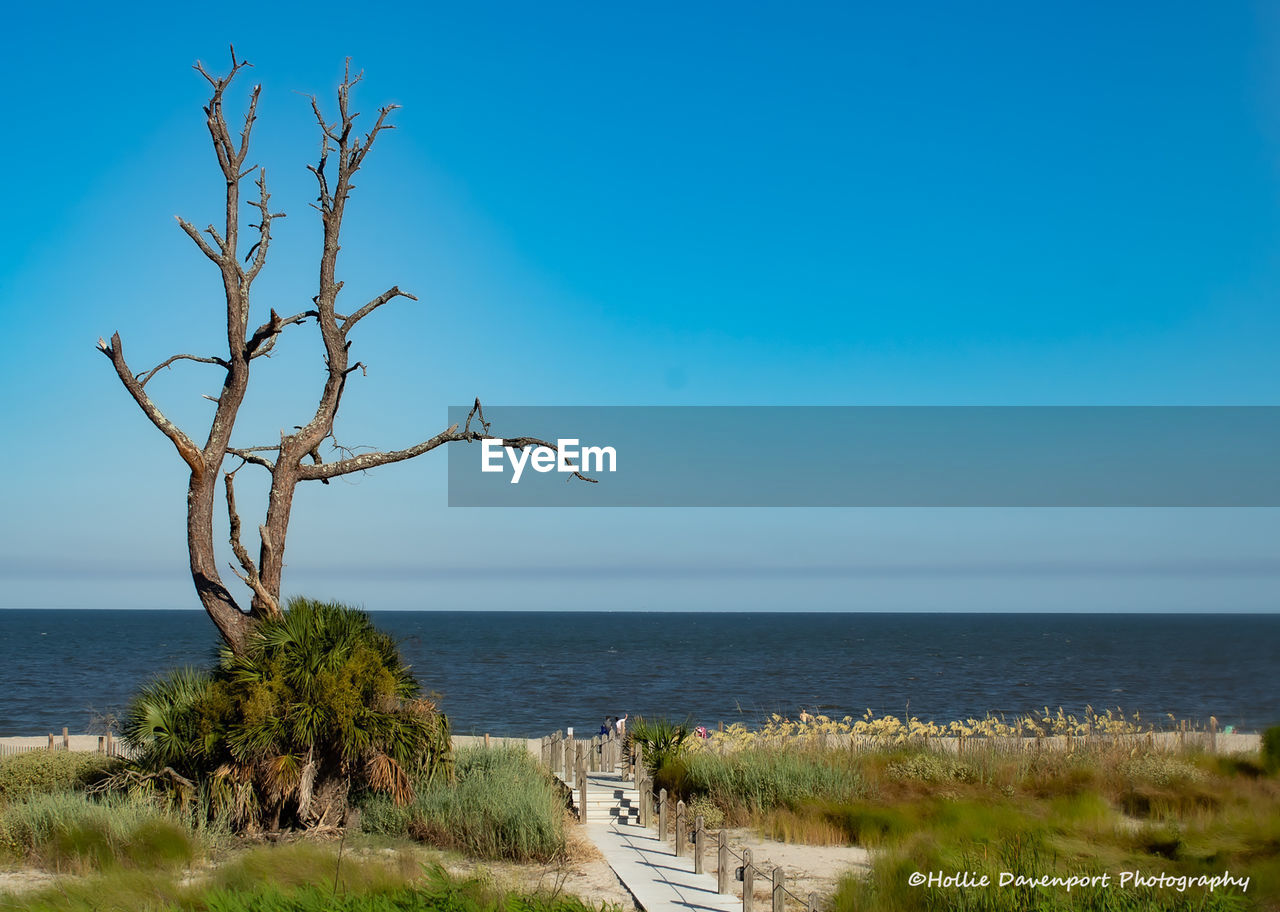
(930, 767)
(318, 701)
(1161, 769)
(51, 771)
(661, 741)
(710, 812)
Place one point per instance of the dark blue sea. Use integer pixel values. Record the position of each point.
(529, 673)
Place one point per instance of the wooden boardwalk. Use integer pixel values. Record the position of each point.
(647, 865)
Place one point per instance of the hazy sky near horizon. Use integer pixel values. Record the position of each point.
(843, 204)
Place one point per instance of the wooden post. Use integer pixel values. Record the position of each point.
(779, 889)
(699, 843)
(582, 782)
(662, 813)
(1213, 734)
(545, 755)
(594, 760)
(722, 861)
(748, 881)
(637, 768)
(680, 829)
(102, 742)
(568, 758)
(486, 740)
(1182, 736)
(646, 800)
(50, 740)
(66, 739)
(110, 746)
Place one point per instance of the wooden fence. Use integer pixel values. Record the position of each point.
(107, 744)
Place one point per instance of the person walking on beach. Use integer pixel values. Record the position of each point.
(621, 726)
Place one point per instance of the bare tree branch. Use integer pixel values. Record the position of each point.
(264, 337)
(249, 455)
(392, 292)
(365, 461)
(146, 376)
(190, 229)
(259, 250)
(186, 447)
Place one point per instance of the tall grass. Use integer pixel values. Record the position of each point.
(73, 832)
(500, 806)
(762, 779)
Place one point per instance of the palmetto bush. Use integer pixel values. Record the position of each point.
(318, 703)
(660, 740)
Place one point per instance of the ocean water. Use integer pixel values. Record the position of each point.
(529, 673)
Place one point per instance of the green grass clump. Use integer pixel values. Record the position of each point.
(762, 779)
(51, 771)
(500, 806)
(301, 877)
(68, 831)
(435, 890)
(1271, 750)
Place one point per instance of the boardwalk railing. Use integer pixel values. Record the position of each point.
(572, 760)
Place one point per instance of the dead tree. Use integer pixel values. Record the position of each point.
(297, 456)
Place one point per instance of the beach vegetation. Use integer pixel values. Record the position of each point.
(318, 702)
(42, 771)
(500, 805)
(75, 832)
(661, 741)
(295, 877)
(758, 780)
(1271, 750)
(987, 803)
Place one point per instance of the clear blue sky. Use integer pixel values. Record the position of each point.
(669, 204)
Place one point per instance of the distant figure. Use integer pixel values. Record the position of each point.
(621, 726)
(804, 716)
(701, 731)
(607, 728)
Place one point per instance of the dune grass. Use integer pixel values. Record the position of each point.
(1105, 806)
(78, 833)
(500, 806)
(296, 877)
(762, 779)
